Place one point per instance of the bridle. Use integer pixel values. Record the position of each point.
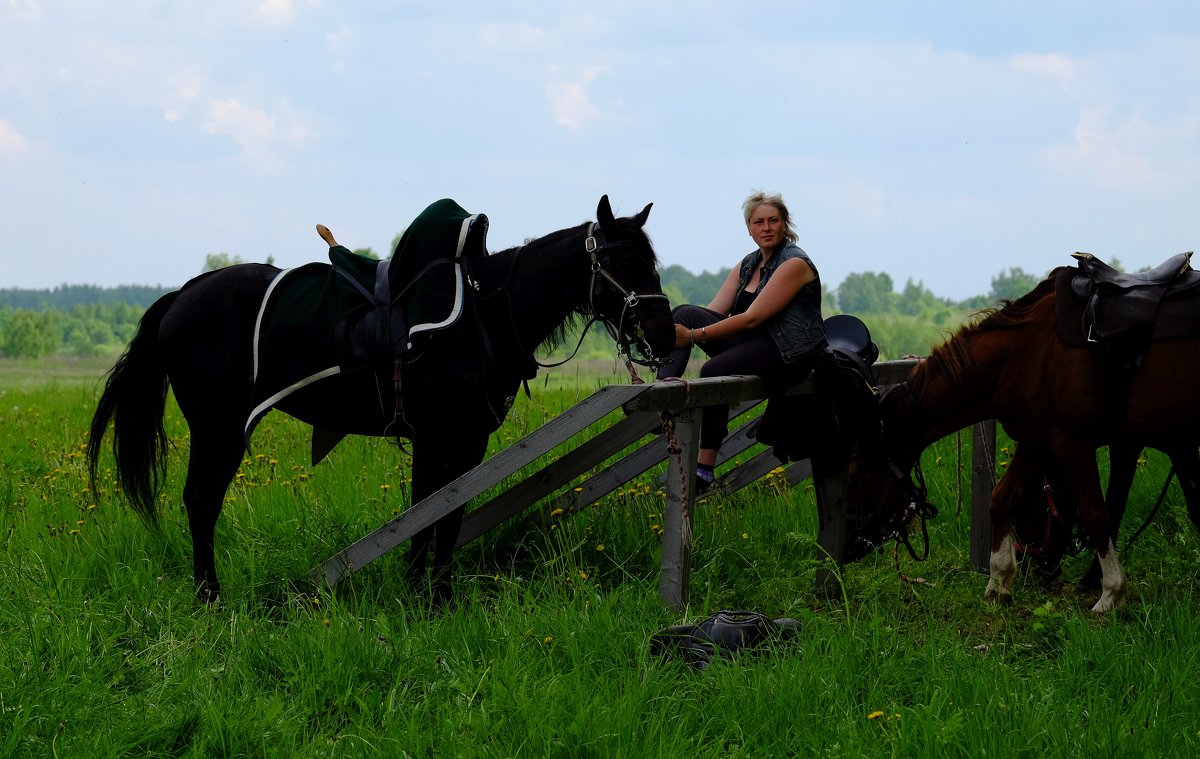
(596, 244)
(911, 482)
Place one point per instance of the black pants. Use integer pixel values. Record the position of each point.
(753, 353)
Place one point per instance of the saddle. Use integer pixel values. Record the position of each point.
(827, 422)
(1099, 306)
(320, 320)
(427, 267)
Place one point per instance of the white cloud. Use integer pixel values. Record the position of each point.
(273, 12)
(249, 127)
(278, 12)
(23, 10)
(1117, 156)
(11, 141)
(257, 132)
(183, 89)
(512, 38)
(571, 103)
(1055, 65)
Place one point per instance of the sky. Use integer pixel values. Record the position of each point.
(941, 143)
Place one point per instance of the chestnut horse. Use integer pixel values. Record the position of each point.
(1057, 403)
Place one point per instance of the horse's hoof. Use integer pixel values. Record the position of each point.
(1090, 582)
(326, 235)
(998, 598)
(208, 593)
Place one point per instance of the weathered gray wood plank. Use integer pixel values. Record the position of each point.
(677, 512)
(555, 475)
(983, 478)
(831, 482)
(488, 474)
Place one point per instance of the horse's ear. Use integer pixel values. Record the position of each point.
(641, 217)
(604, 213)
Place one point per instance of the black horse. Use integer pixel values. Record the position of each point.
(456, 386)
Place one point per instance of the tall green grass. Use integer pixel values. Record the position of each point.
(105, 652)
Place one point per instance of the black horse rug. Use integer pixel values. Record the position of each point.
(320, 320)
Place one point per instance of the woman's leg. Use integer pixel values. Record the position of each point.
(692, 317)
(755, 355)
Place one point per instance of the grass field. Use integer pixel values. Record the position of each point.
(105, 652)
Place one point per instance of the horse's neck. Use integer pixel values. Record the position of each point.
(545, 284)
(948, 404)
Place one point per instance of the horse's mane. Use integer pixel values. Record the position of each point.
(951, 356)
(552, 241)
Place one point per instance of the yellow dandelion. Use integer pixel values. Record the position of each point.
(578, 490)
(548, 640)
(599, 546)
(874, 715)
(326, 621)
(582, 575)
(73, 532)
(556, 512)
(745, 536)
(80, 521)
(385, 487)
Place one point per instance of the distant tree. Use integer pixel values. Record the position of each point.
(214, 261)
(866, 293)
(698, 289)
(1013, 284)
(31, 334)
(367, 252)
(916, 299)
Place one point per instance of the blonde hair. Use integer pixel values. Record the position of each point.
(760, 198)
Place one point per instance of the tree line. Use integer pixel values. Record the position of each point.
(87, 320)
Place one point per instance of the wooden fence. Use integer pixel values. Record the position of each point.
(640, 407)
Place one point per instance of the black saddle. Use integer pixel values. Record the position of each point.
(827, 422)
(1121, 309)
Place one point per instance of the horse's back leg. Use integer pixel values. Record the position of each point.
(212, 463)
(1121, 470)
(1077, 463)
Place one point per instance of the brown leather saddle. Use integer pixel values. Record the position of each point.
(1099, 306)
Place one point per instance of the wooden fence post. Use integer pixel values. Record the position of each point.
(983, 479)
(677, 513)
(831, 484)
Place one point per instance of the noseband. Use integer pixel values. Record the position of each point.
(595, 245)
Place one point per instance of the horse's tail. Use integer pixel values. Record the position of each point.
(134, 400)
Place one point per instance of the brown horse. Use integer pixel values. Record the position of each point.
(1057, 403)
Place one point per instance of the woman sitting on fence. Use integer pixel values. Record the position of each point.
(765, 320)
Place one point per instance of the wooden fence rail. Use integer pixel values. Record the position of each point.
(640, 407)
